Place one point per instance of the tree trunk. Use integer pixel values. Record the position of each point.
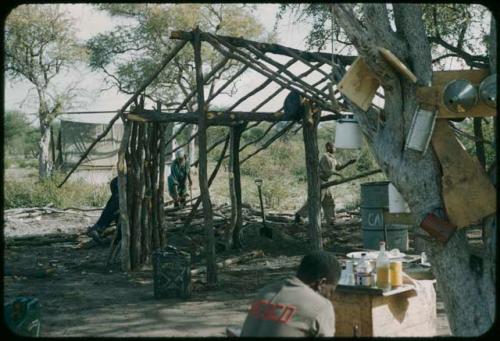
(44, 160)
(191, 148)
(310, 133)
(202, 170)
(464, 280)
(478, 133)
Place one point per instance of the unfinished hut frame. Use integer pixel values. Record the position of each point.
(142, 150)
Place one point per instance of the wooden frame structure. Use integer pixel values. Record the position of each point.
(141, 155)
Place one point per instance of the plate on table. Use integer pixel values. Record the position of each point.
(372, 255)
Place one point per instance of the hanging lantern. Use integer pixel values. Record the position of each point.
(348, 133)
(459, 96)
(488, 90)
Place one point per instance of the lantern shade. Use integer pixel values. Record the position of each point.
(348, 133)
(488, 90)
(459, 96)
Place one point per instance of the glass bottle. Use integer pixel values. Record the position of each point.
(383, 269)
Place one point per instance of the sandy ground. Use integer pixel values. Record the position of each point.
(80, 297)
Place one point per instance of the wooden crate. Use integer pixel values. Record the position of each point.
(408, 313)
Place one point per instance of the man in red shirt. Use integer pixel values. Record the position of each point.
(299, 305)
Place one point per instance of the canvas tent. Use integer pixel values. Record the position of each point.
(77, 132)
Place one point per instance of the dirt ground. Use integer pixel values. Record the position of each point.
(79, 296)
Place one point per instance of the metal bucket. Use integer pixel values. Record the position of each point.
(171, 273)
(374, 204)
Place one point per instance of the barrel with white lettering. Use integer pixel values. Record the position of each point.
(172, 273)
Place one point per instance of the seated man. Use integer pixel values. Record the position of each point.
(110, 213)
(299, 305)
(179, 173)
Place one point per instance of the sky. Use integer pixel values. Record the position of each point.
(90, 21)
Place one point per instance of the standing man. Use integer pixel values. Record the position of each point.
(299, 305)
(327, 168)
(179, 173)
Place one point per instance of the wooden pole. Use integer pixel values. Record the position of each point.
(210, 180)
(341, 181)
(236, 228)
(268, 47)
(264, 70)
(202, 173)
(120, 112)
(310, 130)
(122, 193)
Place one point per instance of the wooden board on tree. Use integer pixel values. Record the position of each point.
(398, 65)
(467, 192)
(359, 84)
(433, 95)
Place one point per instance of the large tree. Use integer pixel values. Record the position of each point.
(127, 53)
(40, 44)
(466, 280)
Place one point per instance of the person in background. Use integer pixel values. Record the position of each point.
(109, 214)
(299, 305)
(179, 173)
(327, 169)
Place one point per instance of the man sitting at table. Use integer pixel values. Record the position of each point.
(299, 305)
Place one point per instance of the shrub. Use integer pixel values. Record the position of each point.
(31, 193)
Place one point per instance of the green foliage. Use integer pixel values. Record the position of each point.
(39, 42)
(29, 193)
(129, 53)
(20, 138)
(488, 135)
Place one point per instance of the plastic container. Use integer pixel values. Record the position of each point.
(348, 133)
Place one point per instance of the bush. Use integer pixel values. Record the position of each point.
(28, 163)
(29, 193)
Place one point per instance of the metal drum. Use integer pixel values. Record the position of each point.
(171, 273)
(374, 205)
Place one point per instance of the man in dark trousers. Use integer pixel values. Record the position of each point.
(109, 215)
(299, 305)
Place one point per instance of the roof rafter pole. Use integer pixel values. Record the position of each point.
(213, 117)
(259, 88)
(267, 47)
(308, 63)
(229, 81)
(206, 79)
(120, 112)
(265, 71)
(285, 71)
(202, 169)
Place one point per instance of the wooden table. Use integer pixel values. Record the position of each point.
(405, 311)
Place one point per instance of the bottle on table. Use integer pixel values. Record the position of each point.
(363, 272)
(383, 269)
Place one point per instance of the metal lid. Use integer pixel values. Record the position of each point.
(488, 90)
(459, 96)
